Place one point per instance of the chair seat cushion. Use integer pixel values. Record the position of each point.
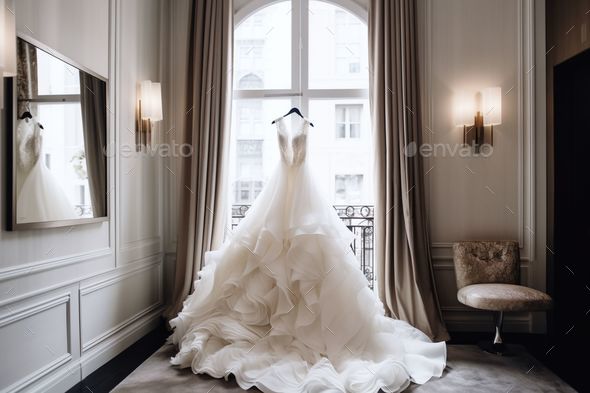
(504, 297)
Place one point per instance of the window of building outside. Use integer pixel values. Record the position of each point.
(348, 188)
(348, 121)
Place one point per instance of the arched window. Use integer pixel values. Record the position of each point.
(314, 55)
(250, 81)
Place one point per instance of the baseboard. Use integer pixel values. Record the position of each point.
(59, 381)
(66, 377)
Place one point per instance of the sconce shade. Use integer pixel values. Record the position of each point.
(7, 38)
(464, 108)
(492, 106)
(151, 100)
(156, 102)
(146, 99)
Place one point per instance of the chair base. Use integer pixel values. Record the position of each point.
(496, 347)
(499, 349)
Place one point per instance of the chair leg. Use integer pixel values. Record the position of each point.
(496, 347)
(499, 320)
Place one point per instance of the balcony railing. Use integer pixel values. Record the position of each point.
(359, 219)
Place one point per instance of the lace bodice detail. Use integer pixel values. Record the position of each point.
(293, 146)
(29, 142)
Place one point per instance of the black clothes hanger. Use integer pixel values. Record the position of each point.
(26, 115)
(296, 111)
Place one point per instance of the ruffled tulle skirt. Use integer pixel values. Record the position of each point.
(283, 305)
(41, 198)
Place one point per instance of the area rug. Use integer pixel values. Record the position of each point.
(468, 370)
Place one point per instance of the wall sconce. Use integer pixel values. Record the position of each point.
(148, 111)
(473, 118)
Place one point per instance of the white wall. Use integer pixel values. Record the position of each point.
(469, 45)
(64, 24)
(72, 298)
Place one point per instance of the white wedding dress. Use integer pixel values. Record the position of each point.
(283, 305)
(40, 197)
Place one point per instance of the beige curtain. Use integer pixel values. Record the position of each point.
(26, 90)
(26, 79)
(93, 99)
(404, 265)
(202, 210)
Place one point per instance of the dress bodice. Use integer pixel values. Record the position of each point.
(29, 142)
(293, 146)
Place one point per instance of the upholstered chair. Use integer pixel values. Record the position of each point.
(488, 277)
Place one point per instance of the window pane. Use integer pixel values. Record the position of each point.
(340, 130)
(244, 196)
(340, 113)
(332, 155)
(55, 76)
(262, 51)
(354, 113)
(340, 189)
(254, 151)
(338, 48)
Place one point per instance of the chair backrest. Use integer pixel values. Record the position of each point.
(480, 262)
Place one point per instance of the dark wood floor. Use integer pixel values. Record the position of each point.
(111, 374)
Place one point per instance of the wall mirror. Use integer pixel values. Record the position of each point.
(57, 126)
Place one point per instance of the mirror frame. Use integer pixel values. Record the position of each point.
(10, 110)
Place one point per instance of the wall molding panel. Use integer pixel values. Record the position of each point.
(33, 309)
(17, 271)
(127, 285)
(20, 385)
(118, 274)
(117, 328)
(43, 326)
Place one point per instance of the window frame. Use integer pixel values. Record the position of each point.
(299, 56)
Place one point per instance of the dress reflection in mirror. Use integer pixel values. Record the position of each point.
(40, 197)
(59, 141)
